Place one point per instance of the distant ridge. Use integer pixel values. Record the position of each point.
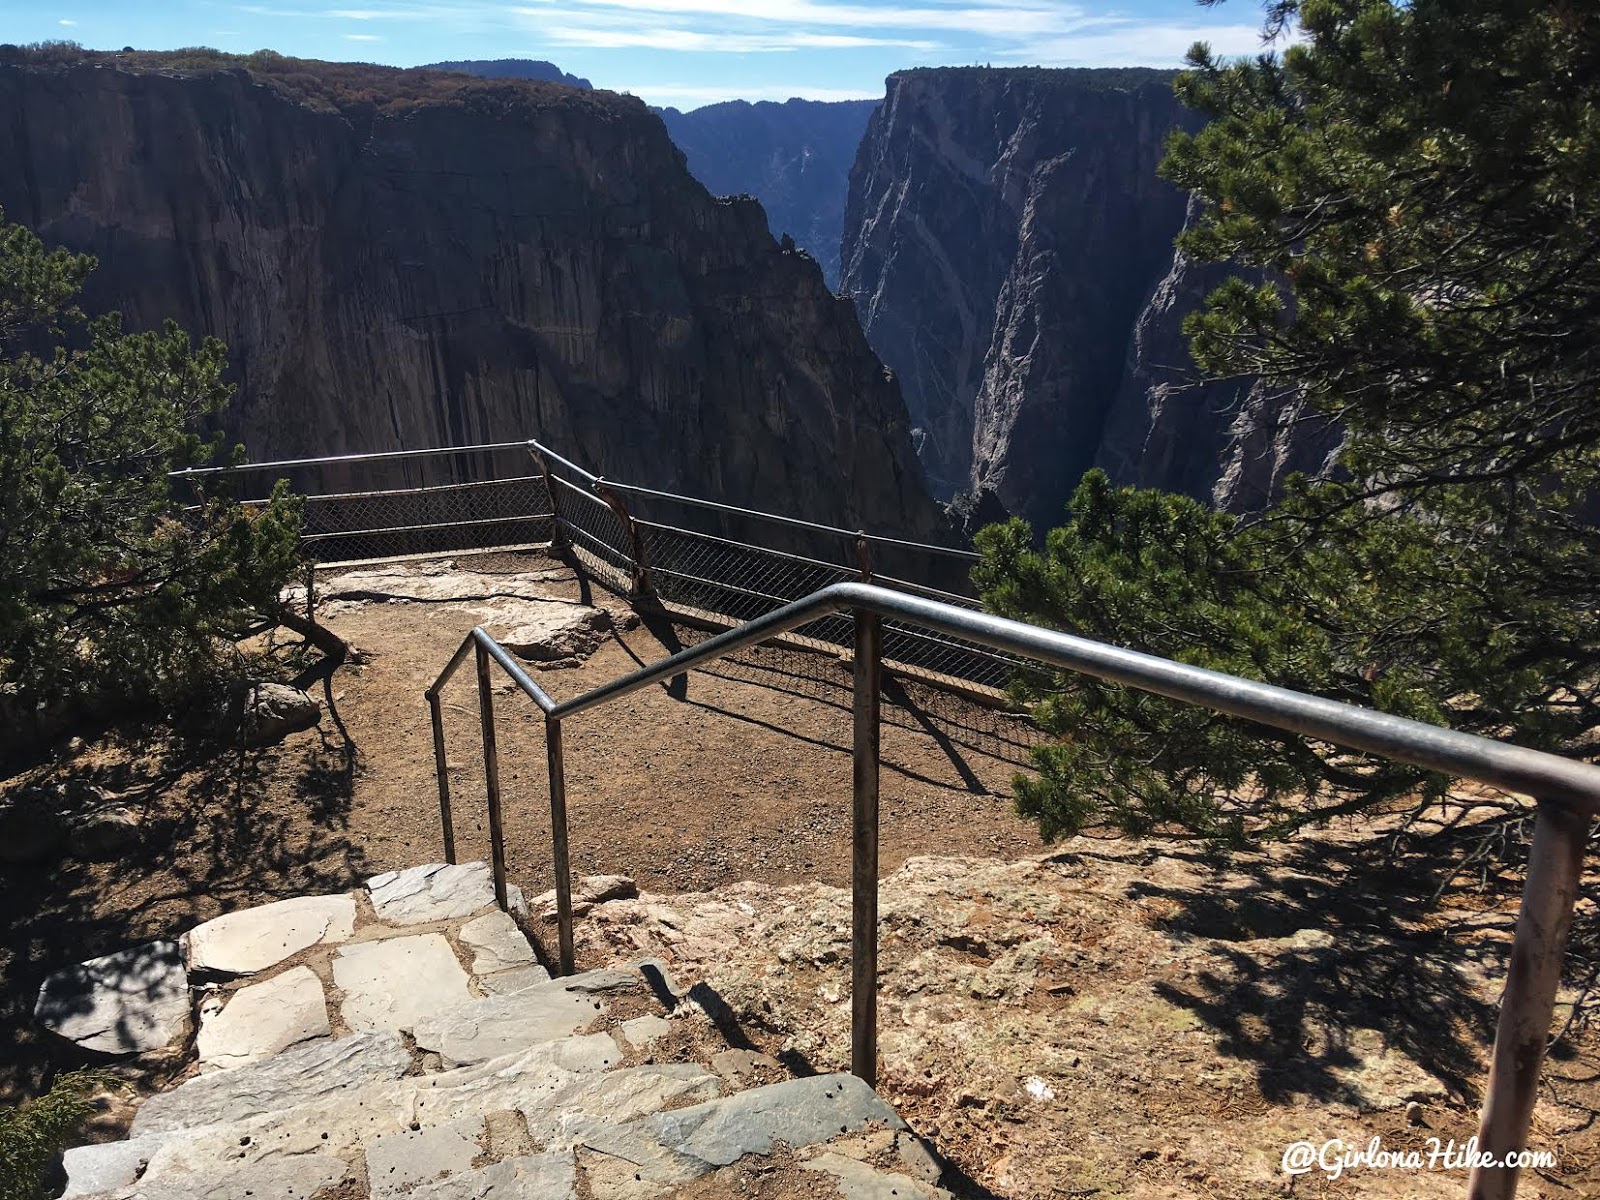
(512, 68)
(793, 157)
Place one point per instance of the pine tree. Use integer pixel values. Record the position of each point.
(117, 589)
(1408, 192)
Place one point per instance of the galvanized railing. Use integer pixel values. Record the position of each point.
(1567, 794)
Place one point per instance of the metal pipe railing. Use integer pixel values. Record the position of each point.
(1567, 791)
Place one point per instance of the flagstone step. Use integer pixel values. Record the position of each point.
(403, 1043)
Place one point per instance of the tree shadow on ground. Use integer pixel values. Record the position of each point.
(222, 829)
(1325, 957)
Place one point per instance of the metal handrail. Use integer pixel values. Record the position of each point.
(1567, 794)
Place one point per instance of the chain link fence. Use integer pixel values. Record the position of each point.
(716, 564)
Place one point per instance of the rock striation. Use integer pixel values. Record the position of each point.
(794, 157)
(406, 259)
(1009, 246)
(1228, 442)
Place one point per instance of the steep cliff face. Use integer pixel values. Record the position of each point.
(1003, 230)
(794, 157)
(1230, 443)
(1010, 249)
(410, 259)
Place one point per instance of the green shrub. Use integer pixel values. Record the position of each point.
(33, 1133)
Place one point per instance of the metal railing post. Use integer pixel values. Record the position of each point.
(1555, 864)
(864, 852)
(642, 587)
(440, 769)
(863, 557)
(491, 778)
(558, 533)
(558, 841)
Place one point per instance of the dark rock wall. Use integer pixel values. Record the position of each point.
(1009, 246)
(519, 260)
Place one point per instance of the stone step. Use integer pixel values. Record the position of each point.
(569, 1075)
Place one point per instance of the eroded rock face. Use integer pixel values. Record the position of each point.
(1002, 232)
(1009, 246)
(1231, 443)
(794, 157)
(518, 260)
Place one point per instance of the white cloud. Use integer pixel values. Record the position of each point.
(613, 37)
(362, 37)
(1149, 44)
(64, 21)
(1013, 18)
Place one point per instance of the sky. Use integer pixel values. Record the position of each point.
(682, 53)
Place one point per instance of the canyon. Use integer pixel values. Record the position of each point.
(794, 157)
(409, 258)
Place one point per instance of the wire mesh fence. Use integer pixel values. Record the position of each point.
(717, 563)
(389, 506)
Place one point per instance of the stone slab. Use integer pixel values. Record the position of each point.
(436, 892)
(398, 1162)
(253, 939)
(107, 1166)
(398, 982)
(504, 1024)
(297, 1076)
(130, 1002)
(265, 1018)
(504, 982)
(857, 1181)
(615, 1097)
(531, 1177)
(545, 1081)
(673, 1147)
(496, 942)
(642, 1032)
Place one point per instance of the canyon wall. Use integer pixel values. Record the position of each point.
(794, 157)
(1009, 246)
(406, 259)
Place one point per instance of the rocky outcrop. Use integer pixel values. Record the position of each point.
(1003, 230)
(794, 157)
(512, 68)
(406, 258)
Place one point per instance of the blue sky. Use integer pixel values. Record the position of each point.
(670, 52)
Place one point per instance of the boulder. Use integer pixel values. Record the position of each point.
(588, 891)
(131, 1002)
(270, 712)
